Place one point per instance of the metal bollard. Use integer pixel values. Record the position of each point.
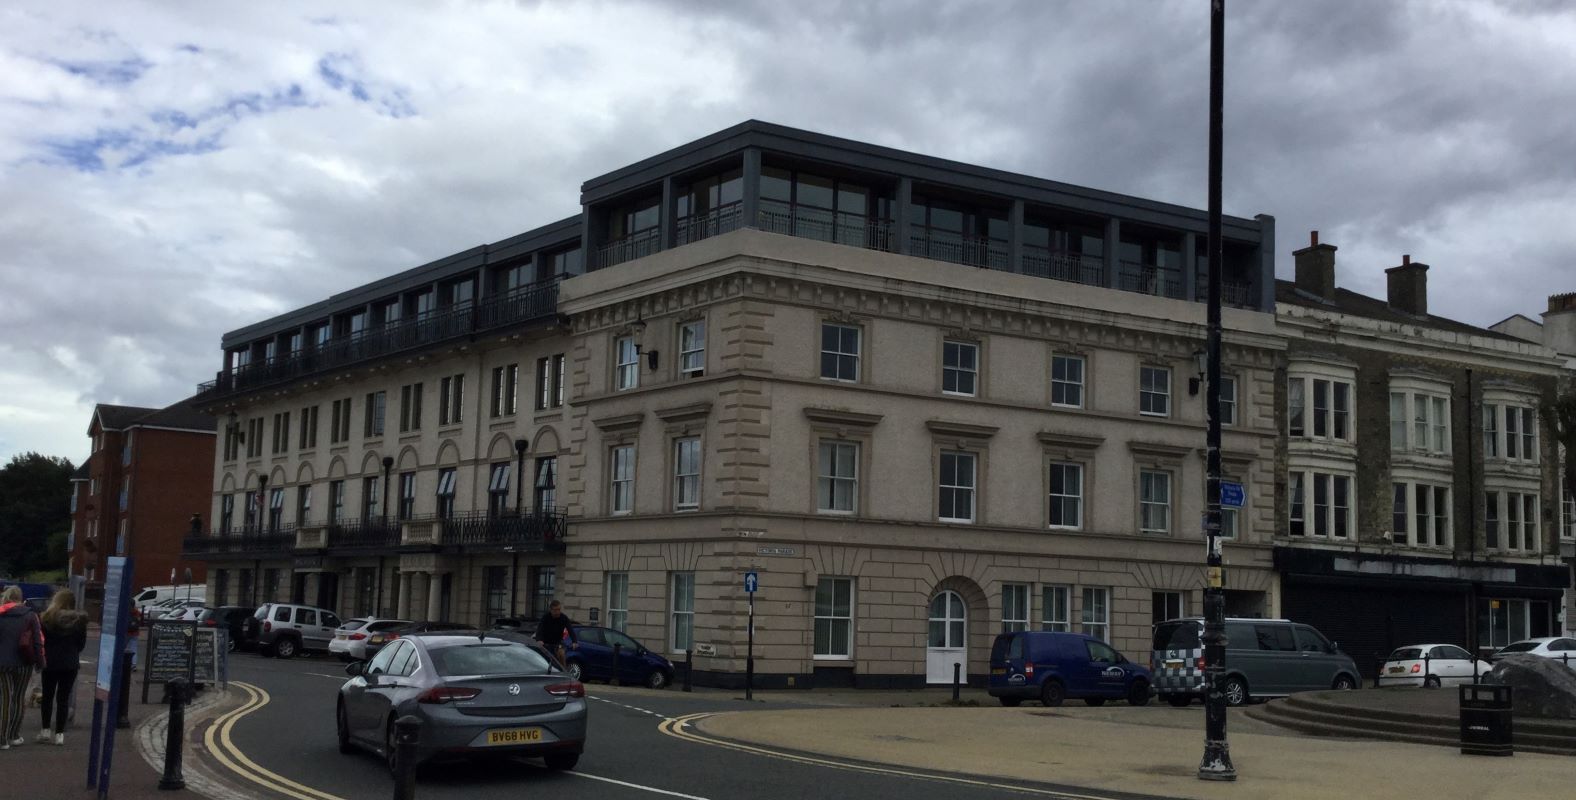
(689, 667)
(1428, 669)
(127, 660)
(957, 678)
(749, 677)
(407, 731)
(1379, 672)
(616, 648)
(175, 735)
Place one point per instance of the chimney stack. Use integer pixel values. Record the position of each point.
(1316, 268)
(1408, 285)
(1559, 324)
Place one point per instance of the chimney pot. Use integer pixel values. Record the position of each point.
(1313, 238)
(1406, 260)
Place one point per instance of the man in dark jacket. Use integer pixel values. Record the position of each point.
(550, 631)
(21, 651)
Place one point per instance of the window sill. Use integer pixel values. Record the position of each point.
(1064, 527)
(451, 427)
(1155, 414)
(970, 395)
(830, 379)
(1069, 406)
(950, 521)
(831, 512)
(834, 661)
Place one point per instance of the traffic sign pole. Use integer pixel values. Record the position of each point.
(751, 582)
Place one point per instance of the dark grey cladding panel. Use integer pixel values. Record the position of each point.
(895, 163)
(547, 237)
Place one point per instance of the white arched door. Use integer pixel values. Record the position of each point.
(948, 634)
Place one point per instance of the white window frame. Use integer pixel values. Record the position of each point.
(1067, 382)
(1303, 401)
(1150, 394)
(1094, 616)
(1517, 433)
(616, 592)
(959, 488)
(621, 479)
(1228, 400)
(1149, 503)
(959, 371)
(1014, 607)
(1167, 596)
(686, 484)
(1522, 530)
(1305, 481)
(626, 364)
(1568, 515)
(681, 611)
(1056, 607)
(692, 349)
(830, 618)
(1061, 500)
(1425, 526)
(856, 355)
(828, 479)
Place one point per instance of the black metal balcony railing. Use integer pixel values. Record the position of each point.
(824, 225)
(1044, 262)
(521, 305)
(628, 248)
(531, 530)
(974, 251)
(716, 222)
(363, 534)
(1148, 279)
(238, 541)
(1232, 293)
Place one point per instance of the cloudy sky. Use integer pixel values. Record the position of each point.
(170, 171)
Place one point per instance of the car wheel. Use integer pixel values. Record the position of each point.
(576, 671)
(342, 728)
(1011, 702)
(657, 679)
(1094, 701)
(1138, 694)
(560, 762)
(1051, 692)
(1236, 691)
(1179, 700)
(285, 647)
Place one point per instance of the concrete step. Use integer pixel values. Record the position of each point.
(1331, 719)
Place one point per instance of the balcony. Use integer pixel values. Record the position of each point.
(249, 541)
(716, 222)
(364, 534)
(973, 251)
(531, 531)
(636, 245)
(1148, 279)
(824, 225)
(521, 306)
(1043, 262)
(1232, 293)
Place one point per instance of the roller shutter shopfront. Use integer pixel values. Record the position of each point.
(1368, 619)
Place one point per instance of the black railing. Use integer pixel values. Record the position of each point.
(636, 245)
(521, 305)
(1043, 262)
(1232, 293)
(531, 530)
(240, 541)
(1148, 279)
(363, 533)
(807, 222)
(974, 251)
(716, 222)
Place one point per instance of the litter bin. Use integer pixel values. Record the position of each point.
(1485, 720)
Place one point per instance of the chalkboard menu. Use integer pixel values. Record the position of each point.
(206, 664)
(169, 651)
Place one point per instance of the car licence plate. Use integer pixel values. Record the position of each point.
(514, 735)
(1174, 664)
(998, 672)
(1397, 670)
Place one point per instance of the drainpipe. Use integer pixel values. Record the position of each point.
(1472, 497)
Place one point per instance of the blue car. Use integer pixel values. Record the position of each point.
(593, 659)
(1052, 667)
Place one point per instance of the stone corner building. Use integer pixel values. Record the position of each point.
(925, 401)
(1417, 483)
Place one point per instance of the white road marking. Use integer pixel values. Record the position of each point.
(658, 715)
(651, 789)
(339, 678)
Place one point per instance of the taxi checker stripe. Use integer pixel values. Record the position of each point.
(218, 740)
(676, 727)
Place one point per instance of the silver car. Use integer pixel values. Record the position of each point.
(474, 694)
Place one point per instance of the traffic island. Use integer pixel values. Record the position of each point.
(1403, 714)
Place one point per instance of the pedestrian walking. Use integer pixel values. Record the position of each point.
(552, 630)
(66, 630)
(21, 652)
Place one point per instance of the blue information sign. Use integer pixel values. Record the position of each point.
(107, 695)
(1231, 494)
(751, 581)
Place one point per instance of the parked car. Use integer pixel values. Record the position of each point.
(593, 659)
(1051, 666)
(376, 641)
(1559, 648)
(232, 619)
(184, 610)
(1431, 665)
(285, 629)
(154, 595)
(350, 639)
(474, 695)
(1264, 658)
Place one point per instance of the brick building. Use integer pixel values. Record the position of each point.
(150, 469)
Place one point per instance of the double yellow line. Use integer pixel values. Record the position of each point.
(223, 748)
(681, 728)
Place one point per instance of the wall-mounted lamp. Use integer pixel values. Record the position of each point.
(1200, 360)
(639, 328)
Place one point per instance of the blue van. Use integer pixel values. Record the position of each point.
(1052, 667)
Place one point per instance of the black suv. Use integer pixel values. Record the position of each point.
(233, 620)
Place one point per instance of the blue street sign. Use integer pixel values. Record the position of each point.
(751, 581)
(1230, 494)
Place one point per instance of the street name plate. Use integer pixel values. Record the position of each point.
(705, 649)
(775, 551)
(1231, 494)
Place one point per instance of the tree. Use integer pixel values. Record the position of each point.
(1561, 418)
(35, 501)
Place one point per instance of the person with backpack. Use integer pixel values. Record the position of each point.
(66, 629)
(21, 652)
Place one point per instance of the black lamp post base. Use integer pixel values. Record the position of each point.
(1216, 765)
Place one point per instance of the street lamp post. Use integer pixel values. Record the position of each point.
(1216, 764)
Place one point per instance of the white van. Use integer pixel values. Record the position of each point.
(157, 594)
